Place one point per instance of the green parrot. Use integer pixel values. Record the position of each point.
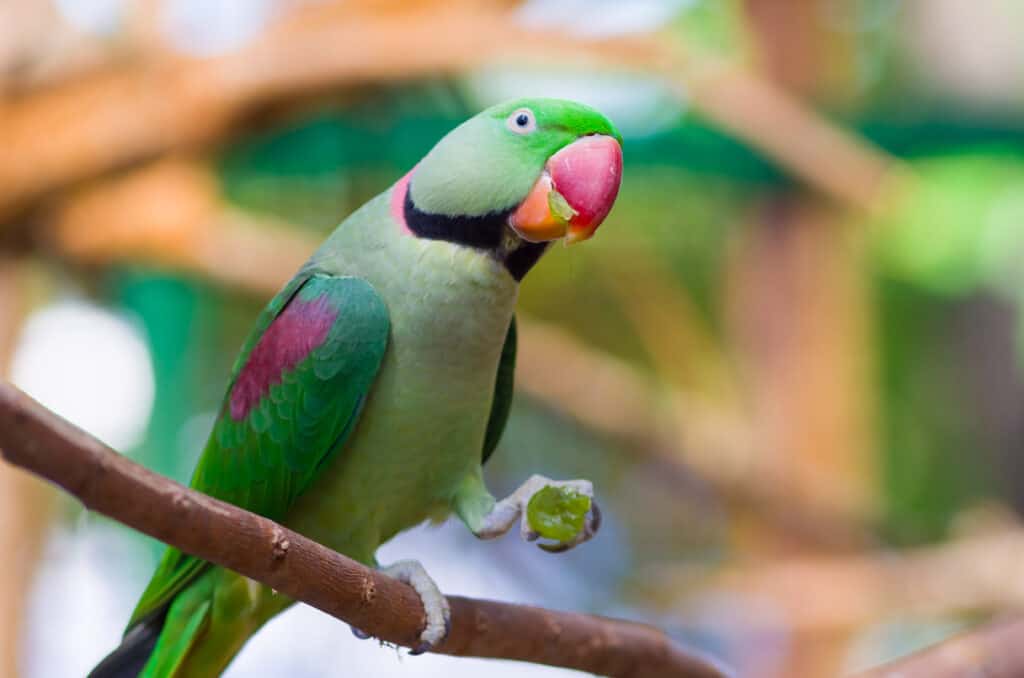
(378, 381)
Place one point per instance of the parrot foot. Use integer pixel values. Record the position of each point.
(435, 605)
(507, 511)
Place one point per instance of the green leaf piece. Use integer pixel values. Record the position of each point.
(557, 512)
(560, 207)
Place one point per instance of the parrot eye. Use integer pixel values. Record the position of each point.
(521, 121)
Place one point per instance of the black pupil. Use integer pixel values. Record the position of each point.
(522, 119)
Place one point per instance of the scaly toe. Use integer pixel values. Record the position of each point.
(435, 605)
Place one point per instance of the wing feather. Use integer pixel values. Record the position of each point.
(504, 385)
(296, 392)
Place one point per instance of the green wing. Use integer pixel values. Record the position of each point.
(504, 385)
(296, 392)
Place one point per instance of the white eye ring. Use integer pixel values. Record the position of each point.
(522, 121)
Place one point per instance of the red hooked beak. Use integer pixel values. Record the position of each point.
(574, 194)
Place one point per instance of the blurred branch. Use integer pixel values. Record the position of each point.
(171, 214)
(799, 306)
(95, 124)
(38, 440)
(993, 651)
(816, 595)
(798, 311)
(80, 129)
(36, 44)
(839, 164)
(12, 308)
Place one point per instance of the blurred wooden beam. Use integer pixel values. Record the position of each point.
(846, 168)
(788, 42)
(800, 309)
(816, 595)
(799, 320)
(24, 500)
(87, 127)
(170, 214)
(98, 123)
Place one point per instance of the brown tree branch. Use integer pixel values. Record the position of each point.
(36, 439)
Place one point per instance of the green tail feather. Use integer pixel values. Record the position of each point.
(173, 647)
(208, 623)
(186, 619)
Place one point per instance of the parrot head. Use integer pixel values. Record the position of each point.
(516, 177)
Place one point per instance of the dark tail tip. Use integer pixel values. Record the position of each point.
(129, 658)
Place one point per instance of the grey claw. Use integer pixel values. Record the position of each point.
(532, 536)
(425, 647)
(422, 648)
(594, 524)
(560, 547)
(359, 633)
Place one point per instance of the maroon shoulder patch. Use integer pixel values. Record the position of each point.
(297, 330)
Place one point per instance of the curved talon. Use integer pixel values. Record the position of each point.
(595, 521)
(427, 646)
(359, 633)
(560, 547)
(435, 605)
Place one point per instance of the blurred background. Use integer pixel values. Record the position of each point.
(792, 360)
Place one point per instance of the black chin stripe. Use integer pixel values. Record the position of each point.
(519, 261)
(482, 232)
